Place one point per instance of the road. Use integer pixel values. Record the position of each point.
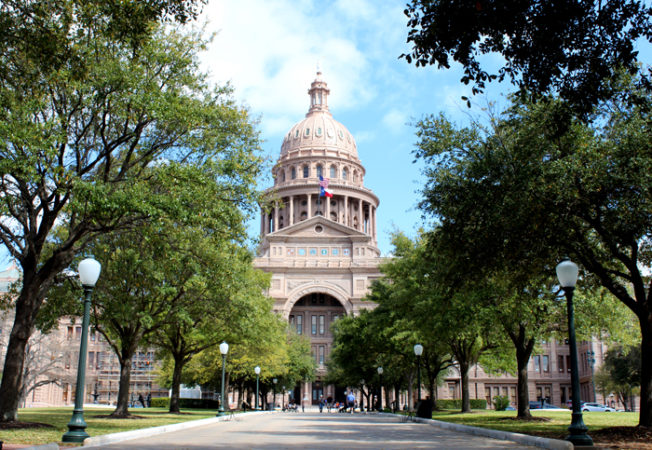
(313, 430)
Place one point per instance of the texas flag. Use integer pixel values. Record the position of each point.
(323, 185)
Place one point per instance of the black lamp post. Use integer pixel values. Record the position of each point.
(567, 274)
(274, 381)
(89, 272)
(257, 370)
(224, 349)
(418, 350)
(591, 360)
(380, 391)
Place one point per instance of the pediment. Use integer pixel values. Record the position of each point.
(316, 227)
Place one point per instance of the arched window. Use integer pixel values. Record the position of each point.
(283, 176)
(306, 171)
(319, 171)
(333, 172)
(355, 176)
(345, 174)
(293, 173)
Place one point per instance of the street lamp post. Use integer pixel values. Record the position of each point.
(567, 274)
(257, 370)
(418, 350)
(89, 271)
(224, 349)
(591, 360)
(380, 391)
(274, 381)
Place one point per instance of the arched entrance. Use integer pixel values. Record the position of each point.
(313, 315)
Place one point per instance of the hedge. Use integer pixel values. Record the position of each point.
(476, 403)
(194, 403)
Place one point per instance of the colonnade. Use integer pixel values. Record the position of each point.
(355, 212)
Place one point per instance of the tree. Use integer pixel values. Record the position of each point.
(569, 47)
(623, 364)
(79, 151)
(525, 190)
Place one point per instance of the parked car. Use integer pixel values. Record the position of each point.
(596, 407)
(510, 408)
(543, 405)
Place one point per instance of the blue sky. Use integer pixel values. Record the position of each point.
(269, 50)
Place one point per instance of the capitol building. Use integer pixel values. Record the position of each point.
(321, 250)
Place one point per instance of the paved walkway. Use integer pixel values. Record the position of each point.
(313, 430)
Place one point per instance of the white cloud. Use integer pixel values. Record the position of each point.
(395, 121)
(269, 51)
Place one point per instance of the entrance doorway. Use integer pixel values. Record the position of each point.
(317, 391)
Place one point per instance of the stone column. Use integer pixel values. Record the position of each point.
(360, 215)
(328, 207)
(275, 217)
(346, 210)
(309, 206)
(291, 222)
(262, 221)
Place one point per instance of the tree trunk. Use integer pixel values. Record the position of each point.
(523, 402)
(645, 416)
(524, 347)
(176, 385)
(122, 408)
(12, 375)
(464, 375)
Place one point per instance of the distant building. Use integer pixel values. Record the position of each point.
(321, 250)
(51, 362)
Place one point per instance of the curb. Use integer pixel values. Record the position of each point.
(98, 441)
(52, 446)
(536, 441)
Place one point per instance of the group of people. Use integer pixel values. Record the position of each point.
(347, 406)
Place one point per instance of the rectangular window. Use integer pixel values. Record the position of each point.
(78, 333)
(322, 325)
(539, 393)
(299, 324)
(313, 320)
(546, 363)
(92, 335)
(91, 360)
(69, 336)
(537, 363)
(321, 355)
(568, 365)
(512, 394)
(560, 363)
(548, 393)
(487, 395)
(335, 316)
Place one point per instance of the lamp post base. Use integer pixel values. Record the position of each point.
(577, 431)
(76, 428)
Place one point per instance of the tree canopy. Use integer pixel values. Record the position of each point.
(572, 48)
(525, 190)
(81, 144)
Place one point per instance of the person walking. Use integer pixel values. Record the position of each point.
(350, 401)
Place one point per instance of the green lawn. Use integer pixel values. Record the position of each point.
(59, 418)
(555, 427)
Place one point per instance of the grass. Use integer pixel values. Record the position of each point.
(59, 418)
(556, 425)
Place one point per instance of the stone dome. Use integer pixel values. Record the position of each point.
(319, 130)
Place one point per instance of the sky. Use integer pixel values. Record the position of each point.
(270, 50)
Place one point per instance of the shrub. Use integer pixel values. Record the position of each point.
(193, 403)
(501, 402)
(476, 403)
(160, 402)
